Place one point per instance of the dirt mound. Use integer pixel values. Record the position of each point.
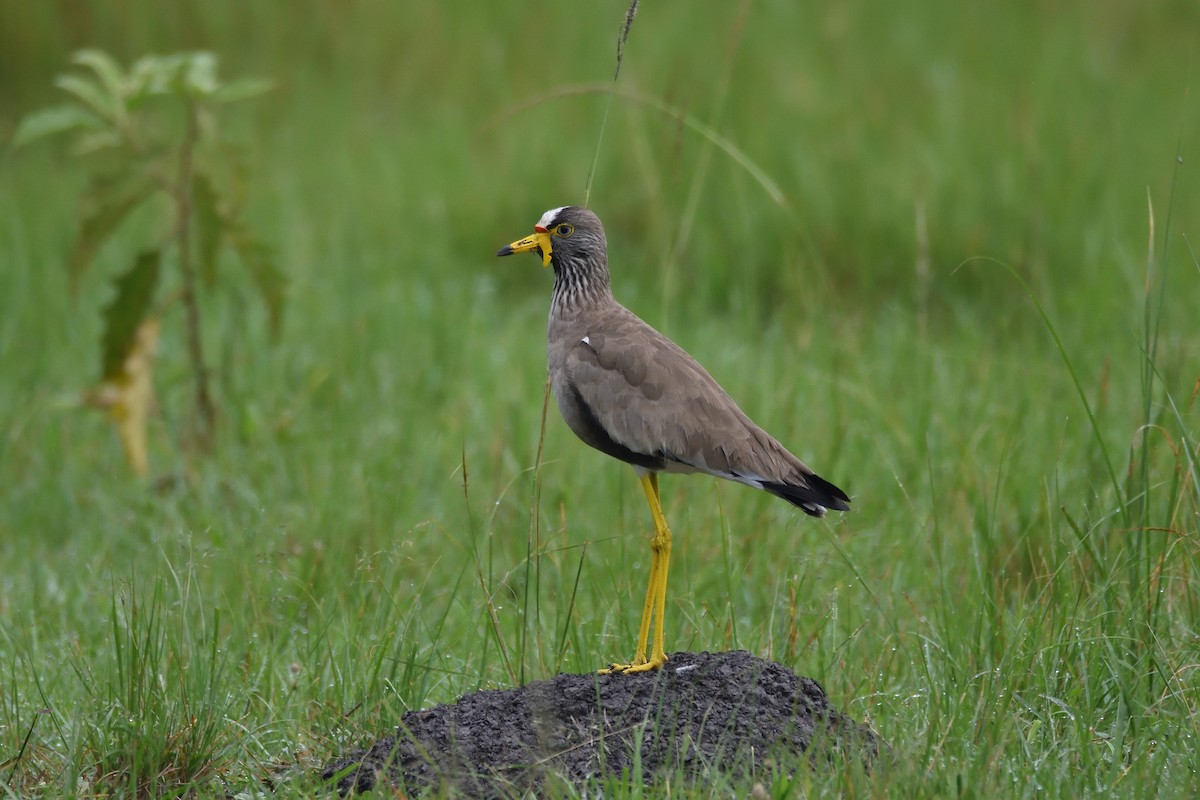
(725, 711)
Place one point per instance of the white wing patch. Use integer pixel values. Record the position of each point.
(676, 464)
(586, 340)
(549, 217)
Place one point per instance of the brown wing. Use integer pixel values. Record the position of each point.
(633, 390)
(630, 392)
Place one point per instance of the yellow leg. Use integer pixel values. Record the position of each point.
(654, 608)
(647, 608)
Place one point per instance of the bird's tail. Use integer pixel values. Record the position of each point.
(812, 494)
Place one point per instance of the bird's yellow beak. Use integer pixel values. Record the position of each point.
(540, 241)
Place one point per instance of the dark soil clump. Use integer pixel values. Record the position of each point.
(730, 712)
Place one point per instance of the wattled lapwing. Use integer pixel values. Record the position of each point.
(630, 392)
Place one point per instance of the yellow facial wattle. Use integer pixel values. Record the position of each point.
(537, 240)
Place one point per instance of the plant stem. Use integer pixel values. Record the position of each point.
(205, 419)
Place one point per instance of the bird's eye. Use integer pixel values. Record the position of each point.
(564, 230)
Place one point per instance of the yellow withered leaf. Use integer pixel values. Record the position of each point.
(128, 395)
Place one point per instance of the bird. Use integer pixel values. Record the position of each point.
(630, 392)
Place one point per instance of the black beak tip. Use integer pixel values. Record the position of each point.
(505, 251)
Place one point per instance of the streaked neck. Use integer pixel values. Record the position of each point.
(579, 285)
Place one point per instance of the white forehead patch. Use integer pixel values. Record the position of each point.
(549, 217)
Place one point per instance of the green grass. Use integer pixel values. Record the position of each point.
(1013, 604)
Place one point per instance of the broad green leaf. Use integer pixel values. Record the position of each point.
(139, 80)
(259, 259)
(95, 140)
(153, 75)
(241, 90)
(105, 205)
(90, 94)
(209, 226)
(125, 314)
(106, 69)
(200, 75)
(58, 119)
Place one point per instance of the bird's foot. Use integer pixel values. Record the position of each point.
(639, 665)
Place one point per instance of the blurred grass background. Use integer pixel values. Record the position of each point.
(1014, 623)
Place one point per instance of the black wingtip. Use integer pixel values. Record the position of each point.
(814, 498)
